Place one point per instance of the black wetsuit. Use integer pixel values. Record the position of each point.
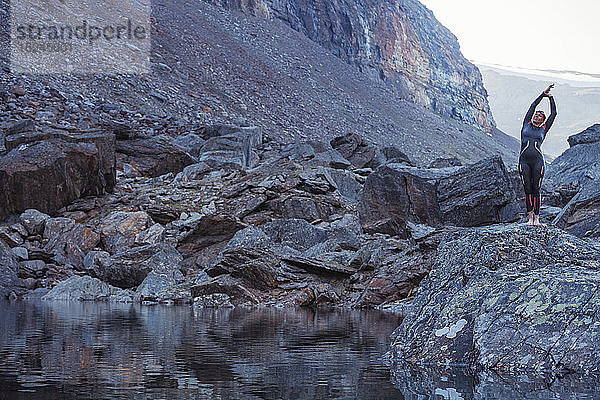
(531, 160)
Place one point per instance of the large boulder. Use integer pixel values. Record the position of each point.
(579, 164)
(476, 194)
(119, 229)
(231, 147)
(50, 174)
(151, 156)
(86, 288)
(507, 297)
(581, 215)
(391, 197)
(68, 242)
(129, 268)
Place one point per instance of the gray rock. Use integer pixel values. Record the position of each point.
(129, 268)
(590, 135)
(155, 282)
(391, 197)
(296, 233)
(85, 288)
(21, 253)
(69, 242)
(191, 143)
(8, 270)
(507, 297)
(581, 216)
(32, 269)
(152, 235)
(476, 194)
(34, 221)
(215, 300)
(119, 229)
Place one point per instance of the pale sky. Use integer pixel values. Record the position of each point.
(538, 34)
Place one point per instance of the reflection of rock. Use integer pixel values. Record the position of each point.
(507, 296)
(457, 383)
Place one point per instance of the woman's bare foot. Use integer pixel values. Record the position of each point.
(530, 222)
(536, 220)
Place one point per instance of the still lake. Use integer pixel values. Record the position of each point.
(60, 350)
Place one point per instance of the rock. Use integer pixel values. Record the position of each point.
(69, 242)
(235, 150)
(24, 125)
(300, 151)
(152, 235)
(296, 233)
(590, 135)
(193, 172)
(354, 149)
(11, 237)
(227, 285)
(119, 229)
(475, 194)
(49, 175)
(152, 157)
(155, 282)
(96, 260)
(510, 297)
(215, 300)
(191, 143)
(32, 269)
(129, 268)
(8, 270)
(86, 288)
(329, 159)
(391, 197)
(575, 167)
(34, 221)
(21, 253)
(581, 216)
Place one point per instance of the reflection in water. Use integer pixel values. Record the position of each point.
(93, 350)
(460, 384)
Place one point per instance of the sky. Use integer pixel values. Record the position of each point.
(536, 34)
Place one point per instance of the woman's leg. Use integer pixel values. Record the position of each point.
(526, 179)
(538, 174)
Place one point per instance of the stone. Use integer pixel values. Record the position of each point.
(152, 156)
(85, 288)
(507, 297)
(129, 268)
(34, 221)
(589, 135)
(227, 285)
(475, 194)
(32, 269)
(390, 197)
(296, 233)
(21, 253)
(155, 282)
(69, 245)
(581, 216)
(49, 175)
(354, 149)
(119, 230)
(152, 235)
(8, 270)
(24, 125)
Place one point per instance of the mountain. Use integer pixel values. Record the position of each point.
(399, 43)
(212, 65)
(511, 91)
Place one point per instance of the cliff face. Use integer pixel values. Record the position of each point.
(398, 42)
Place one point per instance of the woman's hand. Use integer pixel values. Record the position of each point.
(547, 91)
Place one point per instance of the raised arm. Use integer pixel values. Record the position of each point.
(550, 120)
(531, 110)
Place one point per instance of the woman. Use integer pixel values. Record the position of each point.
(531, 160)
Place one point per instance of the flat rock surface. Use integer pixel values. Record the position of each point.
(507, 297)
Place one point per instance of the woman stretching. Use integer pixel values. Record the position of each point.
(531, 160)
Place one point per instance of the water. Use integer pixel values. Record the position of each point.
(60, 350)
(63, 350)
